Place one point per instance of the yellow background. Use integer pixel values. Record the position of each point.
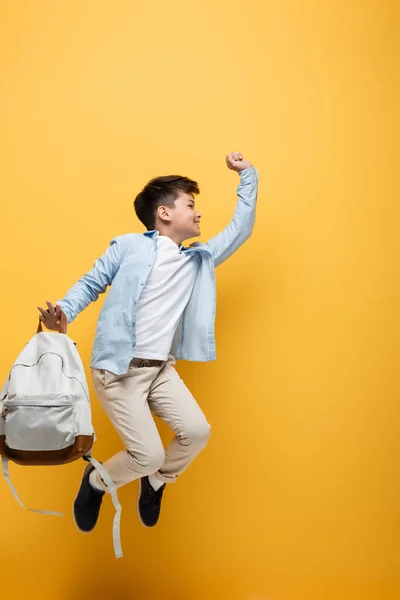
(297, 495)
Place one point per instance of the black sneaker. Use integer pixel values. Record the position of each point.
(87, 503)
(149, 504)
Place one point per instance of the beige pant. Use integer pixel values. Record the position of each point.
(129, 400)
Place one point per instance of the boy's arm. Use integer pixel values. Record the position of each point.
(94, 282)
(225, 243)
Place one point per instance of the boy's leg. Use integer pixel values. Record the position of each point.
(171, 400)
(124, 399)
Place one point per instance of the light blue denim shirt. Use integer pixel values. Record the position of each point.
(125, 267)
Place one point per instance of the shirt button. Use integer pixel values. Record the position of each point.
(142, 283)
(135, 303)
(149, 265)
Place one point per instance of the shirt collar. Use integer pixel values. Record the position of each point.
(154, 233)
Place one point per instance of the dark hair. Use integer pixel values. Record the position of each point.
(158, 192)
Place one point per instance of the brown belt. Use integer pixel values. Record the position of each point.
(147, 362)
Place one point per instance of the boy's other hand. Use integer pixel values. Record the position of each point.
(51, 317)
(236, 162)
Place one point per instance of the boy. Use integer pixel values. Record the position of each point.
(160, 308)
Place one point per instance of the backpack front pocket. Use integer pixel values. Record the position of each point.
(49, 425)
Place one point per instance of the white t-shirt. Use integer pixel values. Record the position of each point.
(163, 300)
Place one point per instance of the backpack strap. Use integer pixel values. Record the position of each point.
(108, 482)
(4, 463)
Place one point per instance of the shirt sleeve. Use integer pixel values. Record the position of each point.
(225, 243)
(94, 282)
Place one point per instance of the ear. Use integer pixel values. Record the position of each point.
(164, 212)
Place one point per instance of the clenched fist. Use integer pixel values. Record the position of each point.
(236, 162)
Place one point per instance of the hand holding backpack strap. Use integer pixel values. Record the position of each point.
(63, 324)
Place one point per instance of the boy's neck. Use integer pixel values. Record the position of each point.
(175, 238)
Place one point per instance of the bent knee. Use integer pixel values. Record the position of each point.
(197, 433)
(148, 462)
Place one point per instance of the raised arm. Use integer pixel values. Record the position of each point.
(225, 243)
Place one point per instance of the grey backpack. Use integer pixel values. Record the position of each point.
(45, 412)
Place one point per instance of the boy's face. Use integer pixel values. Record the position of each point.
(184, 218)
